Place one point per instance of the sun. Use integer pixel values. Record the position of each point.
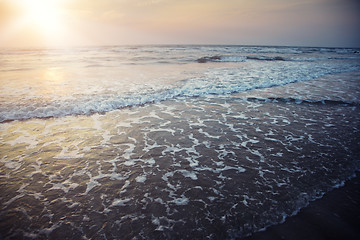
(44, 15)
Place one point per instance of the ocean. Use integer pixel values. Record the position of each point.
(172, 141)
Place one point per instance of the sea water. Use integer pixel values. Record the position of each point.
(186, 142)
(38, 83)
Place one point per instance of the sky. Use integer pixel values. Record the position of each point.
(50, 23)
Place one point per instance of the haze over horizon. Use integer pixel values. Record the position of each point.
(52, 23)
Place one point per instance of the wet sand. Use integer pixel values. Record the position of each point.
(335, 216)
(212, 167)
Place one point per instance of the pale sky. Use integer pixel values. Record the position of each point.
(49, 23)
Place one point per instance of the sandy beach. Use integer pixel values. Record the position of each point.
(334, 216)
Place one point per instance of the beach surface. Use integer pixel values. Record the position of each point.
(213, 166)
(334, 216)
(337, 214)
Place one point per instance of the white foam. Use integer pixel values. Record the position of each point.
(69, 155)
(64, 186)
(98, 126)
(166, 176)
(91, 184)
(13, 199)
(207, 134)
(120, 202)
(129, 151)
(30, 140)
(129, 163)
(12, 164)
(189, 174)
(181, 201)
(140, 179)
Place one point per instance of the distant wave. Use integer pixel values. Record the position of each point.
(266, 58)
(209, 59)
(302, 101)
(234, 58)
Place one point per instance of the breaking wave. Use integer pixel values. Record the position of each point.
(234, 58)
(84, 81)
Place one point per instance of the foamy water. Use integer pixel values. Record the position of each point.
(54, 83)
(216, 142)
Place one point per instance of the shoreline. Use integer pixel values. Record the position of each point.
(334, 216)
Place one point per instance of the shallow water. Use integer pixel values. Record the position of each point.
(213, 166)
(41, 83)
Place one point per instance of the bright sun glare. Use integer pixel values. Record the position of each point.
(42, 14)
